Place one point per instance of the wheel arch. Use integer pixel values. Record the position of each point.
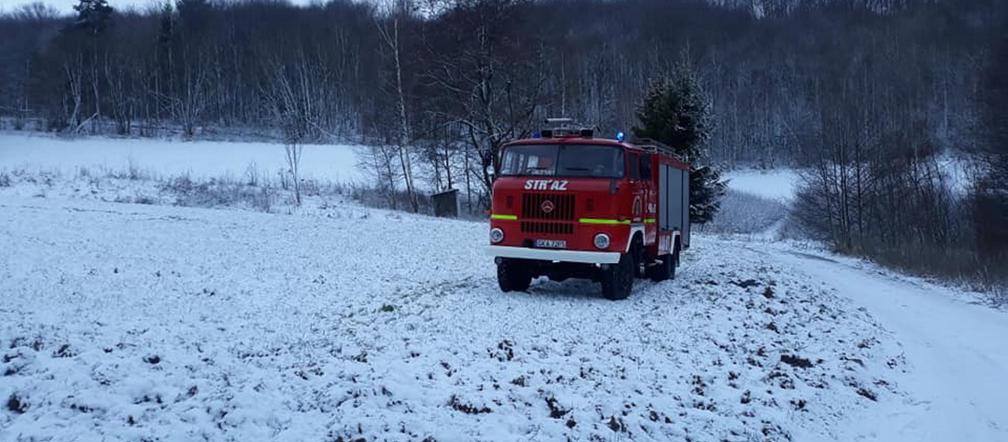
(635, 231)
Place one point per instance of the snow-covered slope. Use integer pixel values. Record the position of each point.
(130, 321)
(147, 321)
(777, 184)
(200, 159)
(956, 349)
(782, 183)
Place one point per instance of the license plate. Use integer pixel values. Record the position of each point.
(551, 243)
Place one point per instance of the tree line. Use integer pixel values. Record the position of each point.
(877, 180)
(199, 64)
(866, 95)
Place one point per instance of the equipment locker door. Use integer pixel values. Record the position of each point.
(684, 216)
(663, 190)
(674, 199)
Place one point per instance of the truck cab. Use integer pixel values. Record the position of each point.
(569, 205)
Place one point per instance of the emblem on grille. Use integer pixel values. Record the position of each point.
(546, 206)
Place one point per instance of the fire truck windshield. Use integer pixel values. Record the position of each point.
(563, 160)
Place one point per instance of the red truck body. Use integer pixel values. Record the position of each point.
(557, 194)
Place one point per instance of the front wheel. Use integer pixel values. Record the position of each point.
(637, 252)
(513, 276)
(618, 279)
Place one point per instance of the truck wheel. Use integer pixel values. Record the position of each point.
(675, 263)
(665, 270)
(637, 251)
(618, 279)
(513, 276)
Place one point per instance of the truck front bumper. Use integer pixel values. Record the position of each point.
(554, 255)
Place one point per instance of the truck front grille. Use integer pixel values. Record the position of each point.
(557, 221)
(562, 204)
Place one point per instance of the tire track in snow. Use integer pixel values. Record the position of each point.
(957, 350)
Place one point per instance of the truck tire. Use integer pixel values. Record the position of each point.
(637, 251)
(618, 279)
(513, 276)
(664, 270)
(675, 263)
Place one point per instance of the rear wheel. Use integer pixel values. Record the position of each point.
(618, 279)
(663, 270)
(513, 276)
(674, 258)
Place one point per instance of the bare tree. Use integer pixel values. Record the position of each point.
(293, 94)
(74, 71)
(389, 31)
(380, 162)
(483, 87)
(292, 150)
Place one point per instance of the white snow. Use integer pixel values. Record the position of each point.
(956, 347)
(133, 321)
(125, 321)
(200, 159)
(960, 170)
(782, 183)
(779, 184)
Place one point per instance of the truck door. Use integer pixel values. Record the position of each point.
(637, 186)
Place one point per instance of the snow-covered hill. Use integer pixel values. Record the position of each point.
(123, 321)
(776, 184)
(199, 159)
(131, 321)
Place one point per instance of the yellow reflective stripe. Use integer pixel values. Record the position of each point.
(506, 217)
(649, 220)
(602, 221)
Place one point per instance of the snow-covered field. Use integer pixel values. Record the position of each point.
(336, 163)
(782, 183)
(155, 322)
(200, 159)
(131, 321)
(214, 159)
(778, 184)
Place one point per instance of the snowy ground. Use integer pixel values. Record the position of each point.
(200, 159)
(782, 183)
(213, 159)
(779, 184)
(152, 321)
(337, 163)
(954, 343)
(132, 321)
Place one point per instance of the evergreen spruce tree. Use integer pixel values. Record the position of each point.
(676, 112)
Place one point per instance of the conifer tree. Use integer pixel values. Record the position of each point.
(677, 113)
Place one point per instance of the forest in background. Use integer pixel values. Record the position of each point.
(769, 71)
(866, 96)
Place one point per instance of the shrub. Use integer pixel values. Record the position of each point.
(373, 196)
(216, 193)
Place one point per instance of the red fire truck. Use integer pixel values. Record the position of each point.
(569, 205)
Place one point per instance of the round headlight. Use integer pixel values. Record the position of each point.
(496, 235)
(601, 241)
